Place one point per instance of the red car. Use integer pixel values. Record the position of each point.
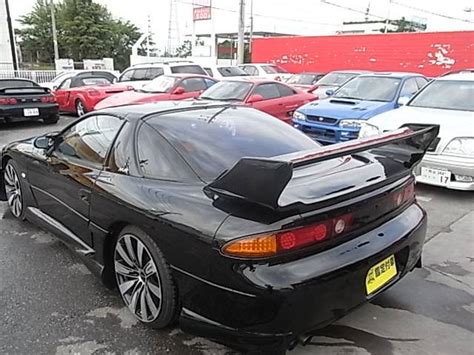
(272, 97)
(80, 94)
(164, 87)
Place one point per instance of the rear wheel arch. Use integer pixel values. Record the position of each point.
(108, 276)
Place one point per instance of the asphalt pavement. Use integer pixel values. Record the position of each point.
(51, 304)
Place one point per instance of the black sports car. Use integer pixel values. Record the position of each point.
(220, 216)
(22, 99)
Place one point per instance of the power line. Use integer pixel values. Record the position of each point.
(431, 12)
(366, 13)
(265, 16)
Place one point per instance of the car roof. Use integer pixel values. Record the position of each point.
(391, 74)
(458, 76)
(162, 64)
(18, 79)
(355, 71)
(184, 75)
(139, 111)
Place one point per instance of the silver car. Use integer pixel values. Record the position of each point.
(449, 102)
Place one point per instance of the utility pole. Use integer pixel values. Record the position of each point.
(11, 34)
(240, 44)
(388, 16)
(251, 27)
(53, 27)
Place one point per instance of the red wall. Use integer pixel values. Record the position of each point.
(428, 53)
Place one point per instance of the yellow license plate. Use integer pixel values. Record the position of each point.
(380, 274)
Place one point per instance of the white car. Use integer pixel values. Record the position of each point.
(221, 72)
(140, 74)
(266, 70)
(447, 101)
(333, 81)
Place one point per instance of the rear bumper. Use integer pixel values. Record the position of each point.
(293, 298)
(16, 112)
(458, 166)
(325, 133)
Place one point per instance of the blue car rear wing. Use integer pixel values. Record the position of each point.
(262, 180)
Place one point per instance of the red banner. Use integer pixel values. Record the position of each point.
(202, 13)
(428, 53)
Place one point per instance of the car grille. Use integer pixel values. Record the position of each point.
(433, 145)
(323, 120)
(320, 133)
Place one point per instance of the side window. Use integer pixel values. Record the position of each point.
(193, 84)
(285, 90)
(250, 69)
(157, 158)
(152, 73)
(409, 88)
(90, 139)
(209, 82)
(139, 74)
(66, 84)
(268, 91)
(421, 82)
(209, 71)
(127, 76)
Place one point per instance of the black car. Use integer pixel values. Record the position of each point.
(224, 218)
(22, 99)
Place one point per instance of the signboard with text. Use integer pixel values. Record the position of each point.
(201, 10)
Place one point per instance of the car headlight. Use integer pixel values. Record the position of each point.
(368, 130)
(460, 146)
(299, 116)
(350, 124)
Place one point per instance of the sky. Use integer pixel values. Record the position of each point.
(305, 17)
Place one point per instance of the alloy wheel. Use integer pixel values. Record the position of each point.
(137, 278)
(80, 109)
(13, 190)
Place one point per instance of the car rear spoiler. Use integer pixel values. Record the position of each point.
(261, 180)
(24, 90)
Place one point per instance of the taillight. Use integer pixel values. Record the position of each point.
(277, 243)
(48, 99)
(8, 101)
(93, 92)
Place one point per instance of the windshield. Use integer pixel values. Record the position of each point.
(231, 71)
(160, 84)
(273, 69)
(449, 95)
(303, 79)
(16, 84)
(335, 79)
(371, 88)
(214, 139)
(227, 90)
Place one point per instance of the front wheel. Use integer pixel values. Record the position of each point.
(80, 108)
(144, 279)
(14, 189)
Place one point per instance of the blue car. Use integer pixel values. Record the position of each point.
(338, 118)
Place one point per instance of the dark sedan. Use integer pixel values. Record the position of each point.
(22, 99)
(234, 223)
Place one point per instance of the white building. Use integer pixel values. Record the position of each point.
(6, 60)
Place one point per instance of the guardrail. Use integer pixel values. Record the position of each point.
(39, 76)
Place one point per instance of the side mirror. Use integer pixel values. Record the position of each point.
(43, 142)
(178, 91)
(330, 92)
(55, 87)
(255, 98)
(403, 100)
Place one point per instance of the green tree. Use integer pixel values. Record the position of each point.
(86, 30)
(403, 25)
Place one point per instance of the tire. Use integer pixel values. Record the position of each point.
(80, 108)
(144, 283)
(51, 119)
(14, 189)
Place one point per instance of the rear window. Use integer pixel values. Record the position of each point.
(213, 140)
(94, 81)
(336, 79)
(273, 69)
(231, 71)
(16, 84)
(188, 69)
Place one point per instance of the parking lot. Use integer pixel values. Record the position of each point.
(50, 302)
